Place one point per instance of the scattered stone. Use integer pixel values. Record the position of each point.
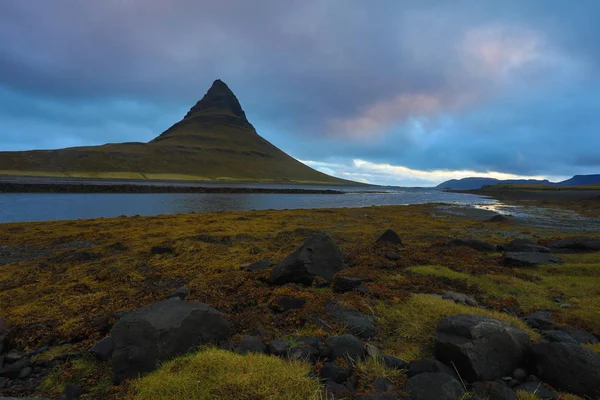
(252, 344)
(379, 396)
(472, 243)
(493, 391)
(482, 348)
(389, 237)
(576, 244)
(519, 374)
(317, 257)
(394, 363)
(523, 259)
(384, 385)
(342, 284)
(438, 386)
(579, 335)
(417, 367)
(14, 370)
(372, 352)
(498, 218)
(103, 350)
(25, 372)
(336, 372)
(558, 336)
(13, 356)
(181, 293)
(307, 348)
(392, 255)
(285, 303)
(279, 347)
(336, 390)
(568, 367)
(540, 320)
(357, 323)
(72, 393)
(158, 332)
(539, 389)
(460, 298)
(348, 347)
(257, 266)
(525, 246)
(162, 250)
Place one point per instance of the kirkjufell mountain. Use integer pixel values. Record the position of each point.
(214, 141)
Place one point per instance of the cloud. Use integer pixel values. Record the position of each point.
(506, 86)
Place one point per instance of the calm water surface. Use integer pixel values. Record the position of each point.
(17, 207)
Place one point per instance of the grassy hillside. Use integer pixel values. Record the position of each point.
(214, 141)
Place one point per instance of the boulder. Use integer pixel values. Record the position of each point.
(392, 255)
(336, 372)
(434, 385)
(539, 389)
(252, 344)
(525, 246)
(384, 385)
(319, 256)
(342, 284)
(576, 244)
(336, 390)
(394, 363)
(348, 347)
(180, 293)
(524, 259)
(355, 322)
(158, 332)
(568, 367)
(579, 335)
(14, 370)
(284, 303)
(389, 237)
(481, 348)
(103, 350)
(493, 391)
(279, 347)
(540, 320)
(417, 367)
(379, 396)
(460, 298)
(307, 348)
(558, 336)
(472, 243)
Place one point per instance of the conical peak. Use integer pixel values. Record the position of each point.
(219, 100)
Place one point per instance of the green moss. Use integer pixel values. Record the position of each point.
(214, 374)
(409, 327)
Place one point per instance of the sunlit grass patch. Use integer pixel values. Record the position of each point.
(213, 374)
(408, 328)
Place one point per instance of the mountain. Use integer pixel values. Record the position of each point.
(477, 183)
(214, 141)
(579, 180)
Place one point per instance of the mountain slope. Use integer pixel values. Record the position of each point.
(214, 141)
(579, 180)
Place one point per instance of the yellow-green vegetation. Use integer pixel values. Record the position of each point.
(95, 376)
(523, 395)
(213, 374)
(54, 352)
(409, 327)
(85, 271)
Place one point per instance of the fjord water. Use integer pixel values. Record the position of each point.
(22, 207)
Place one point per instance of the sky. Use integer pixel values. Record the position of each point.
(390, 92)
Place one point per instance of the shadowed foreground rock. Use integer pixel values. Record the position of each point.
(432, 385)
(156, 333)
(390, 237)
(576, 244)
(482, 348)
(319, 256)
(568, 367)
(529, 259)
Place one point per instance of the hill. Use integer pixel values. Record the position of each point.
(214, 141)
(478, 183)
(579, 180)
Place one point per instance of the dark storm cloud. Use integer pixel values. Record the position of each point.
(480, 85)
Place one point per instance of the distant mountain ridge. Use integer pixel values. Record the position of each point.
(213, 141)
(473, 183)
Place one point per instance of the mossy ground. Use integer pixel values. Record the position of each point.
(93, 268)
